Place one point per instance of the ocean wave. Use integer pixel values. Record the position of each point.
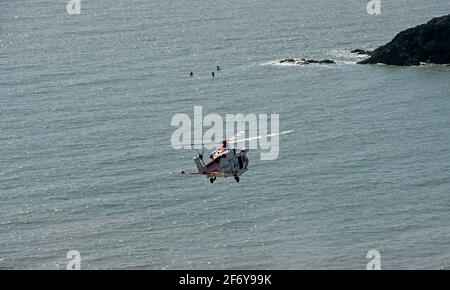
(343, 54)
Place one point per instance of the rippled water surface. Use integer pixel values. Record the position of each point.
(86, 103)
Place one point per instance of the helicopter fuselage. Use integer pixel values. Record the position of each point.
(224, 163)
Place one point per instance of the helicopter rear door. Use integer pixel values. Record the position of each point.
(241, 162)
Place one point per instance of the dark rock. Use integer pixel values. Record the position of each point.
(428, 43)
(304, 61)
(327, 61)
(288, 60)
(361, 51)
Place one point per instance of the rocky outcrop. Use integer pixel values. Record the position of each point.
(361, 51)
(426, 43)
(304, 61)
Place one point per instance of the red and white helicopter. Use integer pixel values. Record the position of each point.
(226, 162)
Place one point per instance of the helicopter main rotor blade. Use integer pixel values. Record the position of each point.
(233, 140)
(259, 137)
(237, 135)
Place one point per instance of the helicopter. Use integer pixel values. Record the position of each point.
(226, 162)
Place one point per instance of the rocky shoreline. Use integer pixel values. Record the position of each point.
(426, 43)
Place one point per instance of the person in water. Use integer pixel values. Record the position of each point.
(217, 67)
(213, 75)
(191, 74)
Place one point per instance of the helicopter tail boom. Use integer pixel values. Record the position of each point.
(200, 164)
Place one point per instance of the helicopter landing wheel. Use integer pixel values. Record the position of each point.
(237, 178)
